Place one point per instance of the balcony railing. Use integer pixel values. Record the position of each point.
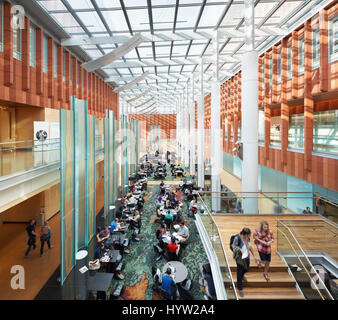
(20, 156)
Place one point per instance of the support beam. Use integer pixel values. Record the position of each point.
(250, 116)
(114, 55)
(200, 115)
(139, 96)
(215, 130)
(130, 84)
(192, 128)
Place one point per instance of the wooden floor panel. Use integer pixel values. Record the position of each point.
(37, 269)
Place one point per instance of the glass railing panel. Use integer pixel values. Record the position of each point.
(268, 202)
(216, 242)
(23, 155)
(309, 281)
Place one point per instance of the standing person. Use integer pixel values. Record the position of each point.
(45, 237)
(242, 242)
(30, 229)
(263, 240)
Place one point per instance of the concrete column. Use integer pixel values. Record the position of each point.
(215, 138)
(250, 115)
(200, 124)
(192, 129)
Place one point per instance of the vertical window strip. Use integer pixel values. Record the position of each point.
(71, 70)
(32, 46)
(17, 44)
(1, 25)
(45, 54)
(289, 62)
(64, 65)
(333, 39)
(315, 47)
(55, 60)
(263, 73)
(301, 55)
(279, 66)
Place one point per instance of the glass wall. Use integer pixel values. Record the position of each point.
(296, 131)
(225, 129)
(289, 62)
(325, 131)
(275, 131)
(1, 24)
(315, 47)
(333, 39)
(45, 54)
(239, 130)
(301, 55)
(32, 46)
(261, 126)
(17, 43)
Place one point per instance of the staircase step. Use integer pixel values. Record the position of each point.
(254, 268)
(260, 293)
(277, 279)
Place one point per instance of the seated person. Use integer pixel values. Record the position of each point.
(182, 233)
(158, 212)
(173, 249)
(130, 199)
(193, 207)
(135, 220)
(103, 235)
(169, 284)
(168, 219)
(238, 207)
(115, 225)
(161, 232)
(99, 252)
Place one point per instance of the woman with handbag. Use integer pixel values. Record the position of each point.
(45, 236)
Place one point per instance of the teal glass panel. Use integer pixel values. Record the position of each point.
(299, 201)
(80, 113)
(106, 164)
(67, 210)
(90, 179)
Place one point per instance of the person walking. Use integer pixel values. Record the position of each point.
(30, 229)
(263, 240)
(241, 247)
(45, 236)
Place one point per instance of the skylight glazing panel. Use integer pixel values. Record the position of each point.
(135, 3)
(67, 21)
(234, 15)
(145, 52)
(210, 16)
(163, 18)
(92, 21)
(179, 50)
(52, 5)
(80, 4)
(115, 20)
(196, 49)
(108, 3)
(139, 19)
(284, 11)
(188, 16)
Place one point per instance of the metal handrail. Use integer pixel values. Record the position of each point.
(224, 253)
(305, 256)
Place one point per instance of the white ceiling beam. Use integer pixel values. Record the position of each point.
(130, 84)
(139, 96)
(110, 57)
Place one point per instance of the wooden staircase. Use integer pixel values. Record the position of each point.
(282, 286)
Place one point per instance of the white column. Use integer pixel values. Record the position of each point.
(186, 131)
(215, 138)
(200, 118)
(192, 129)
(250, 114)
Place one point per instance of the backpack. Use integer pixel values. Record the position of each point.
(232, 241)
